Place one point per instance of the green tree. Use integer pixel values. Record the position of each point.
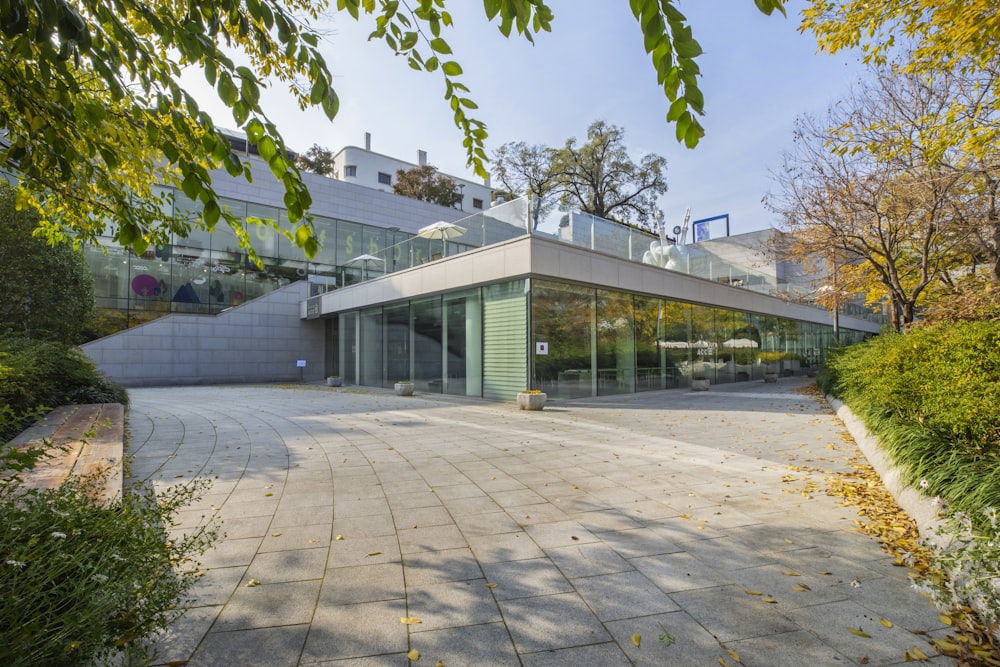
(316, 160)
(600, 178)
(527, 171)
(426, 183)
(95, 115)
(47, 289)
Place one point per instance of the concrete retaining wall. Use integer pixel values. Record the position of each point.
(258, 341)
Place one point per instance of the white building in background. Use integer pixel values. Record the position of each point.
(374, 170)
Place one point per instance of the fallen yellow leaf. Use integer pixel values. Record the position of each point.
(916, 654)
(886, 622)
(374, 553)
(252, 583)
(275, 534)
(409, 621)
(733, 654)
(413, 655)
(750, 592)
(791, 573)
(769, 600)
(636, 639)
(801, 588)
(340, 537)
(859, 633)
(945, 618)
(491, 585)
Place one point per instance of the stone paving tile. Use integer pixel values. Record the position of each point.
(667, 639)
(786, 649)
(679, 503)
(487, 523)
(356, 631)
(363, 551)
(729, 613)
(597, 655)
(296, 537)
(434, 567)
(269, 604)
(432, 538)
(216, 585)
(369, 526)
(587, 560)
(560, 534)
(525, 578)
(832, 623)
(551, 622)
(636, 542)
(274, 647)
(181, 639)
(363, 583)
(288, 565)
(484, 645)
(451, 604)
(504, 547)
(680, 572)
(623, 595)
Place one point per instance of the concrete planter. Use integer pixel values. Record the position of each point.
(770, 377)
(527, 401)
(334, 381)
(700, 384)
(404, 388)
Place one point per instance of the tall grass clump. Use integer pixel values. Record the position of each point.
(41, 374)
(83, 584)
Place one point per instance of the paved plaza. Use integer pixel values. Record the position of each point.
(664, 528)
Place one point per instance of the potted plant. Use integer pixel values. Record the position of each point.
(531, 399)
(700, 383)
(404, 387)
(334, 381)
(772, 361)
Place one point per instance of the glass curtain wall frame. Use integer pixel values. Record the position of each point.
(427, 329)
(370, 357)
(615, 338)
(563, 318)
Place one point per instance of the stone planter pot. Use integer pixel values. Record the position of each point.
(770, 377)
(404, 388)
(700, 384)
(334, 381)
(527, 401)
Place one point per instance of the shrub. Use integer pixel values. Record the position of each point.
(36, 374)
(81, 583)
(930, 395)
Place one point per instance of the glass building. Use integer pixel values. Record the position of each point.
(573, 313)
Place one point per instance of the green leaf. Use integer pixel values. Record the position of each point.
(438, 45)
(255, 131)
(678, 107)
(687, 49)
(451, 68)
(210, 214)
(228, 92)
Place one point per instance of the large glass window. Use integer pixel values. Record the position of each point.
(562, 321)
(371, 347)
(615, 343)
(425, 315)
(397, 344)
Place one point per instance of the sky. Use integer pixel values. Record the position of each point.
(759, 74)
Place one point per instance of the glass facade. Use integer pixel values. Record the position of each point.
(568, 340)
(207, 272)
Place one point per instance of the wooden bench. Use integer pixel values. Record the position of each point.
(83, 440)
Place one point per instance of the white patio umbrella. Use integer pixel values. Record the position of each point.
(441, 230)
(364, 261)
(739, 342)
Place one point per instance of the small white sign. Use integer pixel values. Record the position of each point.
(301, 363)
(541, 348)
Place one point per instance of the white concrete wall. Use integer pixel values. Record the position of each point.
(369, 164)
(258, 341)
